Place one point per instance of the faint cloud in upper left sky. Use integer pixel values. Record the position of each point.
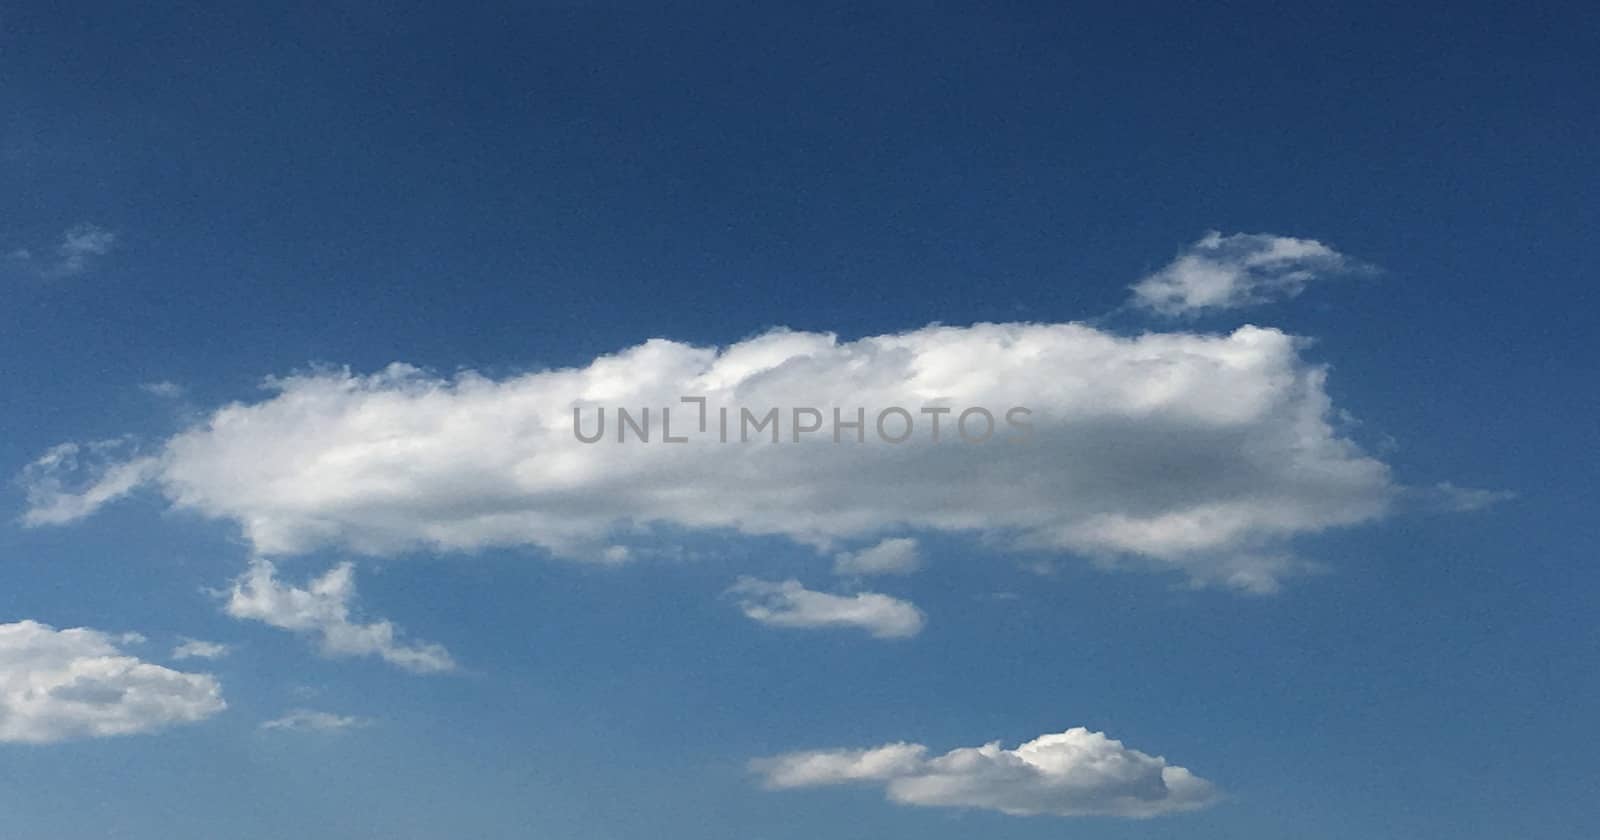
(80, 249)
(73, 480)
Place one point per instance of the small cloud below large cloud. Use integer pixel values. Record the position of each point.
(321, 610)
(789, 604)
(893, 556)
(1076, 773)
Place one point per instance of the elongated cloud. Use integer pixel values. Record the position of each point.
(310, 720)
(321, 610)
(1245, 269)
(789, 604)
(1201, 453)
(896, 556)
(1069, 774)
(72, 480)
(199, 649)
(57, 685)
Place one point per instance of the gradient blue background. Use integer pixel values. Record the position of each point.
(510, 187)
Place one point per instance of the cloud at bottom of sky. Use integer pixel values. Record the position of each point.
(1075, 773)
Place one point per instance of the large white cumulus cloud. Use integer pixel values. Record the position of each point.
(62, 684)
(1069, 774)
(1203, 453)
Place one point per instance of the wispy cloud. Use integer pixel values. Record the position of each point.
(322, 610)
(165, 390)
(894, 556)
(72, 480)
(79, 249)
(1242, 269)
(197, 649)
(309, 720)
(1446, 496)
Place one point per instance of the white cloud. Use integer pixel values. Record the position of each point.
(71, 481)
(57, 685)
(894, 556)
(322, 611)
(197, 649)
(789, 604)
(1072, 773)
(163, 389)
(1446, 496)
(308, 720)
(1243, 269)
(81, 245)
(1200, 453)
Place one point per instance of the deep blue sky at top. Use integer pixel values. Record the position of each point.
(508, 187)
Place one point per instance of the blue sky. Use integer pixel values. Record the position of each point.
(1346, 580)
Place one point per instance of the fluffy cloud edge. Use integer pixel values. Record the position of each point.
(1075, 773)
(1200, 453)
(59, 685)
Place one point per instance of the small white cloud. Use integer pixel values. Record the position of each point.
(72, 480)
(308, 720)
(1069, 774)
(197, 649)
(1244, 269)
(80, 246)
(789, 604)
(57, 685)
(322, 611)
(165, 390)
(1448, 497)
(896, 556)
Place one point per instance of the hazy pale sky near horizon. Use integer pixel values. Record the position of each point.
(299, 301)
